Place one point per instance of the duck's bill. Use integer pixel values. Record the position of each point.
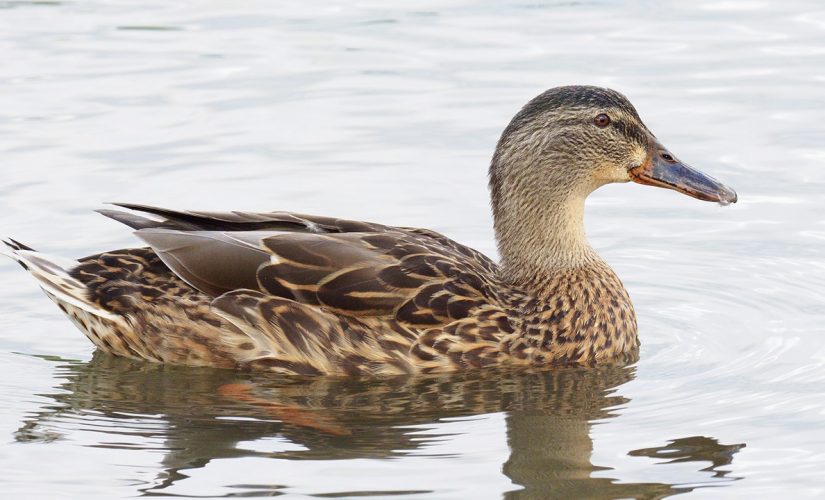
(664, 171)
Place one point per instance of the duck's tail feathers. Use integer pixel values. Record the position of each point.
(10, 247)
(54, 276)
(15, 245)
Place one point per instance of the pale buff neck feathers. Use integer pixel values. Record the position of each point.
(538, 198)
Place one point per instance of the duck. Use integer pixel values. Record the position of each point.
(306, 295)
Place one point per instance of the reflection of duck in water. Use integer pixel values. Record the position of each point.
(548, 417)
(312, 295)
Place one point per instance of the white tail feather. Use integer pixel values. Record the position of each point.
(53, 275)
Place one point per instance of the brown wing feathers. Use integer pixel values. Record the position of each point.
(214, 262)
(354, 268)
(390, 274)
(339, 271)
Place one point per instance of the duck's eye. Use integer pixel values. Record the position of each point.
(602, 120)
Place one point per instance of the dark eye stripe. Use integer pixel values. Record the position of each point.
(630, 130)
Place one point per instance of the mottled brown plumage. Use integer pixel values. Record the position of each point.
(309, 295)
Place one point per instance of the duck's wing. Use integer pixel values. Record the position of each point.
(350, 267)
(416, 277)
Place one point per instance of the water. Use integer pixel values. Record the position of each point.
(390, 113)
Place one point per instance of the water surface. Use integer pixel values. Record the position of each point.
(390, 114)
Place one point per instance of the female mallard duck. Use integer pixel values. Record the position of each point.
(309, 295)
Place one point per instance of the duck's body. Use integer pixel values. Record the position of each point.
(310, 295)
(327, 296)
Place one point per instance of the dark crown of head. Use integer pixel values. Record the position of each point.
(572, 97)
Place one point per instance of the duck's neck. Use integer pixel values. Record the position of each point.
(573, 307)
(539, 241)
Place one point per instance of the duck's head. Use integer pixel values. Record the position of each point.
(582, 137)
(564, 144)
